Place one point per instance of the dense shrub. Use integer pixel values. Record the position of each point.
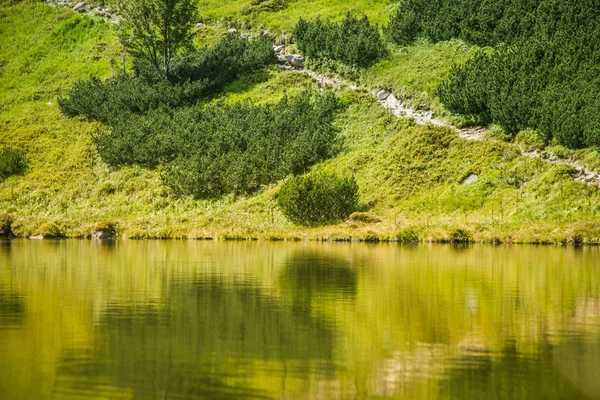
(221, 149)
(544, 72)
(222, 63)
(12, 162)
(318, 199)
(354, 41)
(193, 75)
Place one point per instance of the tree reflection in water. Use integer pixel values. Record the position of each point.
(210, 339)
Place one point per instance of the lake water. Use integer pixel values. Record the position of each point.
(220, 320)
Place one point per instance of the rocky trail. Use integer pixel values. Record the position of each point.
(422, 116)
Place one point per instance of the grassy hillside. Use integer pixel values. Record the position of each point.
(282, 15)
(410, 177)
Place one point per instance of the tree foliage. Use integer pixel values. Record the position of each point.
(544, 70)
(354, 41)
(318, 199)
(195, 75)
(157, 30)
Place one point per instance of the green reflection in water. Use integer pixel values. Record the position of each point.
(145, 320)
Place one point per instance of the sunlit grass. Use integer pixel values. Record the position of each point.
(378, 11)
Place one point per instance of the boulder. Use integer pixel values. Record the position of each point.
(470, 179)
(382, 95)
(278, 49)
(232, 31)
(80, 6)
(103, 234)
(200, 25)
(295, 60)
(281, 60)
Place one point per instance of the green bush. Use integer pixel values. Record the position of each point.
(194, 75)
(354, 41)
(12, 162)
(409, 235)
(530, 140)
(219, 149)
(318, 199)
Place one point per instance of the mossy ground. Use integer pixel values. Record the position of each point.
(410, 177)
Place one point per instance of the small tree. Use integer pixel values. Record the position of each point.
(156, 30)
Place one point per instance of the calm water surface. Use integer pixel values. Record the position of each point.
(203, 320)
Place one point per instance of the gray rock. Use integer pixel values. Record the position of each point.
(281, 60)
(295, 60)
(470, 179)
(382, 95)
(278, 49)
(200, 25)
(80, 6)
(102, 234)
(232, 31)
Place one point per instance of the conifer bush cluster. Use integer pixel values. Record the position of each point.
(236, 148)
(543, 72)
(353, 41)
(318, 199)
(211, 151)
(194, 75)
(156, 121)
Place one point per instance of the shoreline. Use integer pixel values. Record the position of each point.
(370, 238)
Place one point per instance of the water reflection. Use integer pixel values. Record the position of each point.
(156, 320)
(12, 309)
(309, 275)
(203, 341)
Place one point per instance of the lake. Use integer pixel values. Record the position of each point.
(258, 320)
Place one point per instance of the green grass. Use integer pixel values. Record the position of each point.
(409, 176)
(243, 14)
(414, 72)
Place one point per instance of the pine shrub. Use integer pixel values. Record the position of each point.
(354, 41)
(318, 199)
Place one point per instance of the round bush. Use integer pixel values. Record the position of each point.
(12, 162)
(318, 199)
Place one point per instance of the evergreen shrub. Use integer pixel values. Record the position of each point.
(318, 199)
(354, 41)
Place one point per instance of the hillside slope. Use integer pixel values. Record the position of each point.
(413, 179)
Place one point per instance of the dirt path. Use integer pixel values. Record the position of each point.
(402, 110)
